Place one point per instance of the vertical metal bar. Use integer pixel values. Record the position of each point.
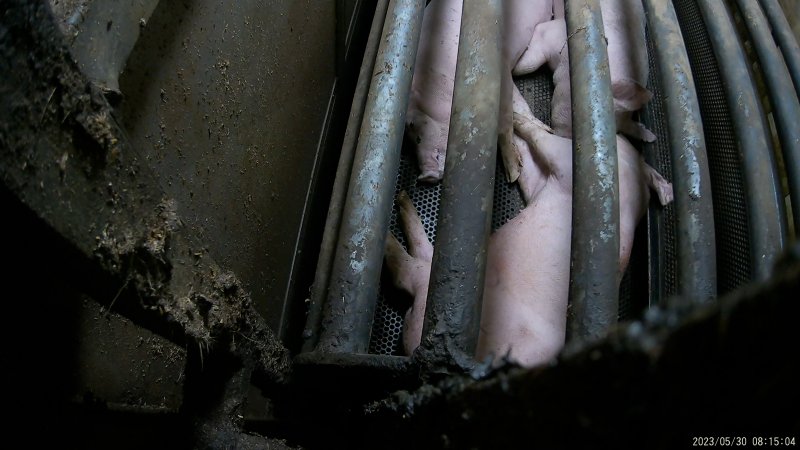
(696, 246)
(347, 317)
(334, 219)
(594, 288)
(782, 96)
(452, 318)
(762, 188)
(786, 40)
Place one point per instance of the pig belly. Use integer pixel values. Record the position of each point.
(428, 114)
(527, 282)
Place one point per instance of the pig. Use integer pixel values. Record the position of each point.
(624, 26)
(635, 176)
(520, 19)
(524, 309)
(431, 98)
(527, 273)
(410, 270)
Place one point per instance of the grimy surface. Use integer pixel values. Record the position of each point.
(66, 159)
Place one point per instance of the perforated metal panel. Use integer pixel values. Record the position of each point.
(727, 186)
(657, 154)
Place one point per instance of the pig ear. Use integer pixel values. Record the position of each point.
(629, 95)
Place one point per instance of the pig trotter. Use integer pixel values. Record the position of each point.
(411, 270)
(659, 184)
(512, 159)
(429, 138)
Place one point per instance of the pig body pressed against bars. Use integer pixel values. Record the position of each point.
(527, 274)
(428, 115)
(431, 100)
(624, 27)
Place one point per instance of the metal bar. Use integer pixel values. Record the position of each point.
(452, 317)
(765, 208)
(782, 32)
(696, 245)
(594, 288)
(353, 288)
(782, 96)
(339, 190)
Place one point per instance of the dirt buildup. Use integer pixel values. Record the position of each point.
(66, 158)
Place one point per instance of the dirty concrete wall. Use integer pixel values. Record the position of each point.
(245, 95)
(227, 102)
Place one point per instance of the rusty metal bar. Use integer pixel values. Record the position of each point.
(594, 289)
(452, 318)
(766, 215)
(353, 288)
(782, 32)
(339, 190)
(782, 96)
(696, 246)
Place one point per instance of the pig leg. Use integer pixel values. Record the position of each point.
(635, 176)
(630, 96)
(411, 270)
(545, 47)
(520, 18)
(512, 156)
(531, 178)
(659, 184)
(631, 128)
(548, 152)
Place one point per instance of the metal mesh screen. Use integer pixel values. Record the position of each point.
(663, 276)
(727, 187)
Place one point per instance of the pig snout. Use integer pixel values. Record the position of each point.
(431, 164)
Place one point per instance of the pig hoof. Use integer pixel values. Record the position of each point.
(430, 176)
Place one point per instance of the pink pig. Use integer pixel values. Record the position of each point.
(431, 100)
(527, 275)
(624, 26)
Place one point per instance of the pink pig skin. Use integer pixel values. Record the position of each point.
(431, 100)
(527, 275)
(520, 18)
(624, 26)
(428, 114)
